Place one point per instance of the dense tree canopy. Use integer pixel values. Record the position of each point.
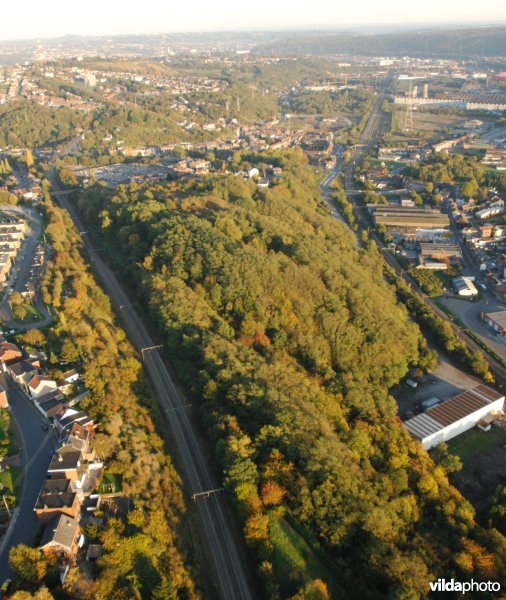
(288, 338)
(148, 553)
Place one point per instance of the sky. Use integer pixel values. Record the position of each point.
(51, 18)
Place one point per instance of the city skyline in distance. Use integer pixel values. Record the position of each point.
(33, 19)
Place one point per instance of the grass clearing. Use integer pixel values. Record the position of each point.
(475, 442)
(25, 312)
(483, 456)
(110, 484)
(295, 562)
(10, 480)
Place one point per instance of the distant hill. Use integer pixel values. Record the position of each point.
(490, 41)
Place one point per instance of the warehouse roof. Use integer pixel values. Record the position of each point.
(498, 317)
(448, 249)
(429, 221)
(463, 283)
(460, 406)
(451, 411)
(422, 426)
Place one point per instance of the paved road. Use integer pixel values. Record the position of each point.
(36, 447)
(231, 580)
(469, 313)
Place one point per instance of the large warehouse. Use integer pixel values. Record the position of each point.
(451, 418)
(408, 220)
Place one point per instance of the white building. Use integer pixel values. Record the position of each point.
(41, 385)
(453, 417)
(490, 211)
(464, 286)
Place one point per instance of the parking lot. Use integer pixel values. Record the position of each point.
(444, 382)
(27, 270)
(469, 313)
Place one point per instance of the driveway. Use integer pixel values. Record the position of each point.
(37, 445)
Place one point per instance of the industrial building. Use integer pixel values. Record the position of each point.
(408, 220)
(496, 320)
(464, 287)
(431, 254)
(440, 251)
(455, 416)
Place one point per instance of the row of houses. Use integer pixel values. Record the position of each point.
(12, 234)
(67, 494)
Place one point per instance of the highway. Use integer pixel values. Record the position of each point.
(230, 577)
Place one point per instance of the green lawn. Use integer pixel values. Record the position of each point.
(32, 314)
(295, 563)
(391, 165)
(109, 484)
(7, 447)
(9, 483)
(475, 442)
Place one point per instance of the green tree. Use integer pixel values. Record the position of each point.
(29, 563)
(69, 352)
(29, 158)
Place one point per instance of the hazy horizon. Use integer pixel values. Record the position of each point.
(33, 20)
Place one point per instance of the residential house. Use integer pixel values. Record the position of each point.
(61, 536)
(80, 438)
(51, 405)
(65, 421)
(40, 385)
(71, 376)
(486, 231)
(57, 498)
(9, 354)
(23, 372)
(68, 462)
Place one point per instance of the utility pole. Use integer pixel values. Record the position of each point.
(6, 506)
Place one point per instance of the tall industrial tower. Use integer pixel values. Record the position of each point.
(408, 115)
